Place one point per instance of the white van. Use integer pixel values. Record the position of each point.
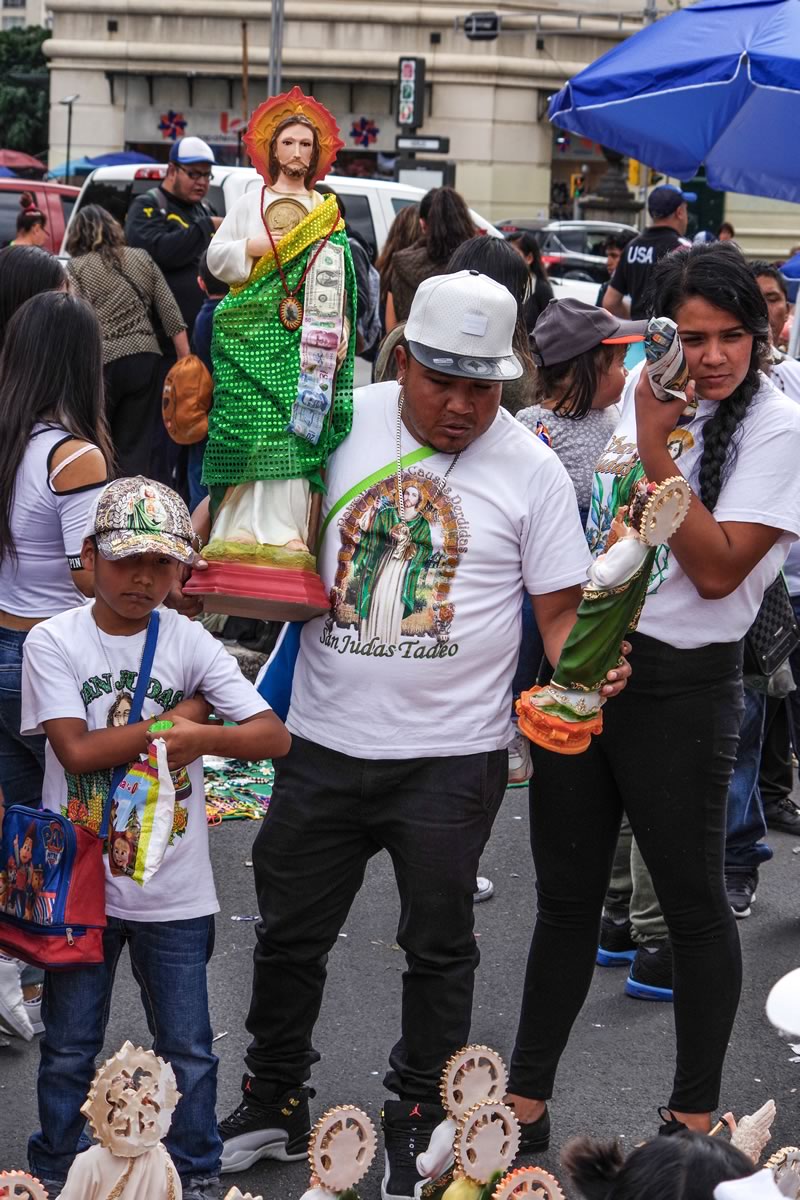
(371, 204)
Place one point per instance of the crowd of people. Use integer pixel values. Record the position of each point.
(531, 428)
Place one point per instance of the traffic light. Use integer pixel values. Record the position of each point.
(577, 185)
(635, 173)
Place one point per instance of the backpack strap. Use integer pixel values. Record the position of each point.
(148, 654)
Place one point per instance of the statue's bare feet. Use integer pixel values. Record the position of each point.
(298, 545)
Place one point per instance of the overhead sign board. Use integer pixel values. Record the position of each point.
(434, 145)
(482, 26)
(411, 93)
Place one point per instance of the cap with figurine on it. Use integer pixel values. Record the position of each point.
(141, 516)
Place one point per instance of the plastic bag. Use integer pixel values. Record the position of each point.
(142, 817)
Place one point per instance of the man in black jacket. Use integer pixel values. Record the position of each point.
(174, 224)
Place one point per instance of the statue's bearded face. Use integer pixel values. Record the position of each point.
(294, 151)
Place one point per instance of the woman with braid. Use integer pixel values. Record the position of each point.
(667, 751)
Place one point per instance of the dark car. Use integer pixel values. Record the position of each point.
(570, 249)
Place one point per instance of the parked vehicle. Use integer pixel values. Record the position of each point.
(372, 204)
(55, 200)
(570, 249)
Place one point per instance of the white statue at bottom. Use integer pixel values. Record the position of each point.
(129, 1108)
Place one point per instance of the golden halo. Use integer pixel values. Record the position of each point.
(268, 116)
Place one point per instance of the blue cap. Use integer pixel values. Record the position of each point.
(191, 150)
(663, 200)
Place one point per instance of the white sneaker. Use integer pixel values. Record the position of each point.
(484, 890)
(12, 1004)
(520, 767)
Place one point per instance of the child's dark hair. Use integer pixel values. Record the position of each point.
(685, 1166)
(719, 274)
(30, 215)
(213, 285)
(576, 379)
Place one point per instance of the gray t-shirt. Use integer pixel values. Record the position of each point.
(578, 444)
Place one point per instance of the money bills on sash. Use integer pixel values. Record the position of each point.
(323, 319)
(666, 362)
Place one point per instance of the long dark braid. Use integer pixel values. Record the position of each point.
(719, 274)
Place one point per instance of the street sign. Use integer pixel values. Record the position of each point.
(435, 145)
(426, 172)
(411, 93)
(482, 26)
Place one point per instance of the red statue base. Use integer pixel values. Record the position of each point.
(265, 593)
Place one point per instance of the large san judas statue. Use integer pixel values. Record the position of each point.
(283, 366)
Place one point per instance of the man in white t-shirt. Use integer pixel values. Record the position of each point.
(441, 513)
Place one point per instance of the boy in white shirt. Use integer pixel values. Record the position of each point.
(79, 674)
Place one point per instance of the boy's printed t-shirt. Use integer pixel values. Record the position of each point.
(762, 487)
(73, 669)
(417, 656)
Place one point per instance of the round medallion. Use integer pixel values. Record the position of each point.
(476, 1073)
(283, 215)
(290, 313)
(528, 1182)
(21, 1186)
(487, 1141)
(342, 1146)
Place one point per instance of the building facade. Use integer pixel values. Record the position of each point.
(146, 72)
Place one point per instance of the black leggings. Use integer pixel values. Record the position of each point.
(665, 756)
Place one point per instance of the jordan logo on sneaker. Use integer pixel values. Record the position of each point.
(415, 1111)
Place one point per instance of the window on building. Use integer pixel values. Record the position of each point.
(13, 3)
(13, 22)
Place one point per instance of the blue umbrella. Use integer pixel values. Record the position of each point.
(717, 83)
(119, 158)
(77, 166)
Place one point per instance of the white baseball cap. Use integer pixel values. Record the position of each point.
(463, 324)
(191, 150)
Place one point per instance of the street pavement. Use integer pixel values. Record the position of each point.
(616, 1071)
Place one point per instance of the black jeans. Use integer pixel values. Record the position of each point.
(133, 406)
(665, 757)
(329, 814)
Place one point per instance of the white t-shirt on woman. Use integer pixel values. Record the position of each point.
(47, 527)
(762, 488)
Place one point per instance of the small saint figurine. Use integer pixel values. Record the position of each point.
(340, 1151)
(129, 1109)
(283, 349)
(563, 715)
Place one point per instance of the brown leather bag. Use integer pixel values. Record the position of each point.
(186, 400)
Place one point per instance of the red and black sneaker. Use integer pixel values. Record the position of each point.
(407, 1129)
